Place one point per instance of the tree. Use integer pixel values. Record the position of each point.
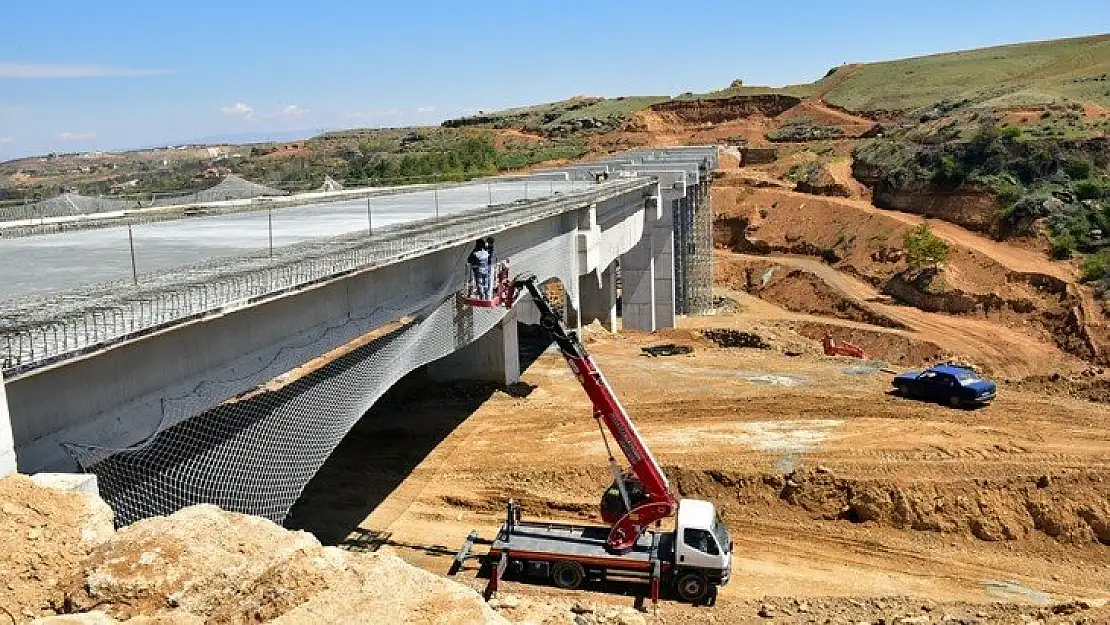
(923, 248)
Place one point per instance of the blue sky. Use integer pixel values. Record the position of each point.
(81, 75)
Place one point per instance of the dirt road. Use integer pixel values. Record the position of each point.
(1006, 351)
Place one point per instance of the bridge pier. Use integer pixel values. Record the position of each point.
(493, 357)
(663, 251)
(599, 301)
(647, 275)
(638, 287)
(7, 442)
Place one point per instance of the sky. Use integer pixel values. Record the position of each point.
(78, 75)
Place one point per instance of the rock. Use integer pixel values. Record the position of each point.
(1068, 608)
(581, 608)
(803, 607)
(914, 620)
(629, 616)
(228, 567)
(766, 611)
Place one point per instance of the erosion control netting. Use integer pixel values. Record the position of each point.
(255, 453)
(232, 187)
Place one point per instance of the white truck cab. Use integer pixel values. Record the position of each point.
(703, 549)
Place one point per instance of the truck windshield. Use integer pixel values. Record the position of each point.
(721, 533)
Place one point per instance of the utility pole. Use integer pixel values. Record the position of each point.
(369, 218)
(435, 193)
(270, 225)
(134, 268)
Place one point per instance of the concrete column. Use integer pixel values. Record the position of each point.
(7, 443)
(638, 286)
(663, 242)
(494, 357)
(598, 297)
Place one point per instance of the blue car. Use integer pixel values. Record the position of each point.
(952, 384)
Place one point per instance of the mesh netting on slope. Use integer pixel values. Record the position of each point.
(257, 454)
(233, 187)
(66, 205)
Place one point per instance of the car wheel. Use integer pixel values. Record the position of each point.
(955, 401)
(691, 587)
(567, 575)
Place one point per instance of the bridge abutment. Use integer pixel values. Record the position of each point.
(493, 357)
(7, 442)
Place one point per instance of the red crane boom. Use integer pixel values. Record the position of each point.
(637, 499)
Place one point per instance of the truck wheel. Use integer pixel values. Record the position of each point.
(691, 587)
(567, 575)
(954, 401)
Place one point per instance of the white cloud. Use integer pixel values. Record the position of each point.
(4, 140)
(293, 111)
(238, 109)
(47, 70)
(76, 136)
(425, 109)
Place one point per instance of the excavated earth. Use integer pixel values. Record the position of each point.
(845, 502)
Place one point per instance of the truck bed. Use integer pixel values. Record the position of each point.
(582, 543)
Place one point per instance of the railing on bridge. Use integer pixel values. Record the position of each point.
(125, 312)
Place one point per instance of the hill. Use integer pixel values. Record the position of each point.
(1053, 89)
(1013, 75)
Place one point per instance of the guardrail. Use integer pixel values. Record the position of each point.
(123, 312)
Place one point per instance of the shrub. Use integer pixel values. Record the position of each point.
(1062, 246)
(1010, 132)
(923, 248)
(1092, 188)
(1096, 266)
(949, 172)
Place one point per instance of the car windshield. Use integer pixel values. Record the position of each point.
(966, 377)
(721, 533)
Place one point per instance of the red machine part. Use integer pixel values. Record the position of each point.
(652, 500)
(504, 292)
(833, 348)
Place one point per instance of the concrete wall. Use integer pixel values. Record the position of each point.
(494, 357)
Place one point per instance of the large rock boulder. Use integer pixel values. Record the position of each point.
(203, 562)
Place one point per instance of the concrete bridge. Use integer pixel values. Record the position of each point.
(159, 412)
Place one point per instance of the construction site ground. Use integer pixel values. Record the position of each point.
(839, 494)
(730, 424)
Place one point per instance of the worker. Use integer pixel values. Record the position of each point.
(481, 266)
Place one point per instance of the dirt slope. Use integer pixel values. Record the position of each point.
(1002, 350)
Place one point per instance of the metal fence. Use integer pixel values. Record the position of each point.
(122, 312)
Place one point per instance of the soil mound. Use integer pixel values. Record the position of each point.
(63, 561)
(44, 534)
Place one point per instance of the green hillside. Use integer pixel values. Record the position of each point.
(1027, 73)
